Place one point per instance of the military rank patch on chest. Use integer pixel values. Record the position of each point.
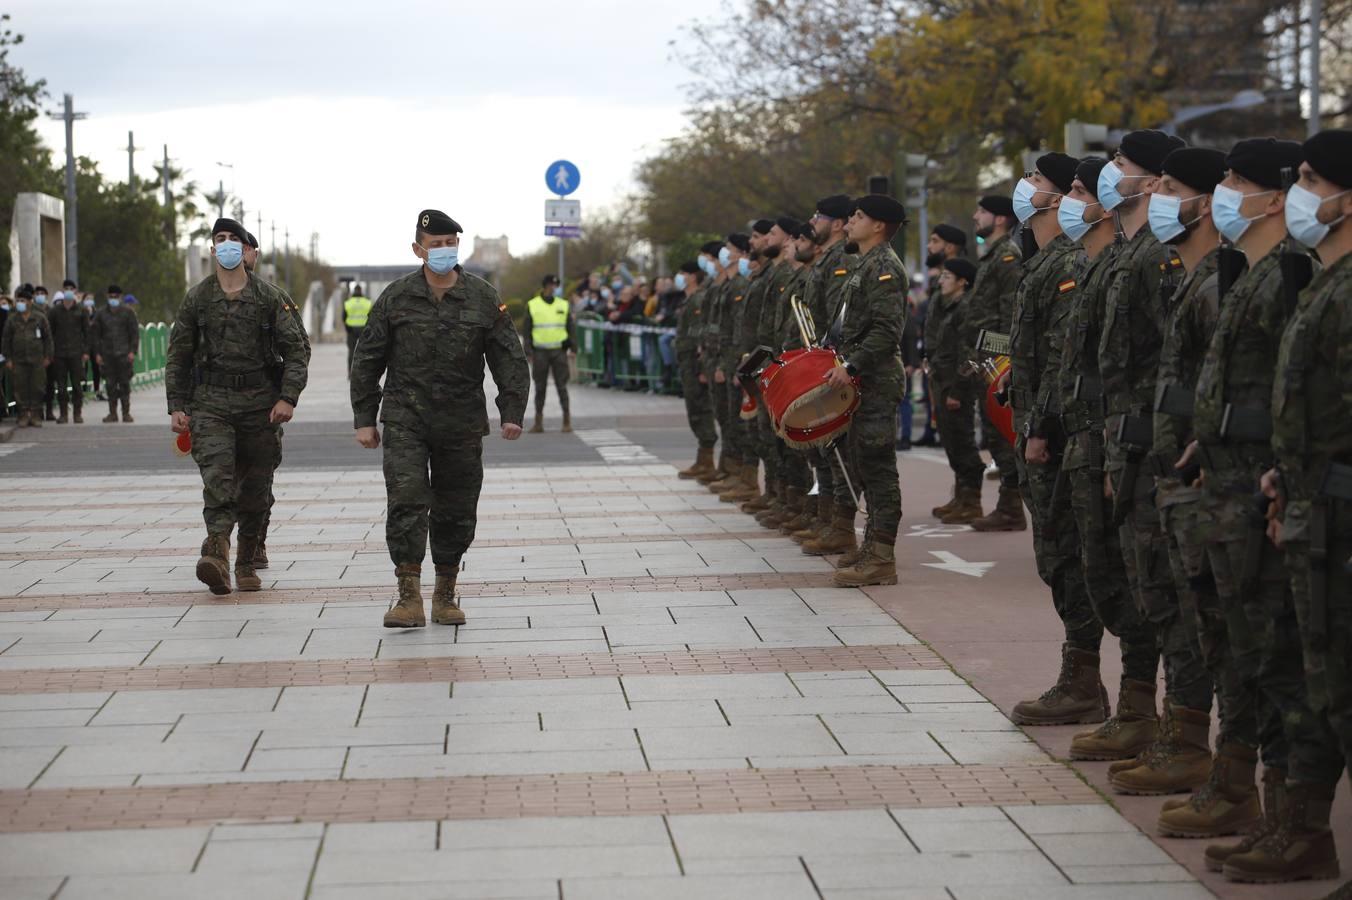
(1067, 285)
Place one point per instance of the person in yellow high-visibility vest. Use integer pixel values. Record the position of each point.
(355, 311)
(548, 331)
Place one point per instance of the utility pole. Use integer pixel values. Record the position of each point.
(1316, 17)
(286, 236)
(69, 116)
(220, 199)
(273, 244)
(131, 161)
(168, 193)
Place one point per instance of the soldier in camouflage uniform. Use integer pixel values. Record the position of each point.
(27, 348)
(117, 340)
(430, 334)
(734, 257)
(234, 370)
(70, 336)
(705, 338)
(1232, 422)
(698, 411)
(1040, 313)
(990, 306)
(1312, 491)
(946, 351)
(760, 264)
(866, 331)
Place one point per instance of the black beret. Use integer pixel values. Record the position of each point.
(434, 221)
(114, 289)
(1261, 160)
(711, 248)
(68, 283)
(882, 208)
(23, 292)
(1148, 148)
(836, 206)
(1329, 153)
(690, 268)
(250, 239)
(961, 268)
(950, 233)
(997, 204)
(1198, 167)
(231, 226)
(1088, 173)
(789, 225)
(762, 226)
(807, 231)
(1059, 169)
(740, 240)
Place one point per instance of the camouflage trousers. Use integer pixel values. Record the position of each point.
(729, 419)
(67, 375)
(699, 411)
(1056, 549)
(957, 427)
(117, 372)
(769, 448)
(1183, 524)
(1145, 550)
(236, 454)
(267, 516)
(545, 362)
(432, 488)
(872, 457)
(1255, 591)
(29, 381)
(1326, 637)
(1000, 449)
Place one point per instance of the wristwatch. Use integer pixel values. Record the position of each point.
(851, 370)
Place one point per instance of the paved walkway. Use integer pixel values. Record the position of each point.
(653, 698)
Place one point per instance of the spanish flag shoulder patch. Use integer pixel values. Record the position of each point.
(887, 277)
(841, 272)
(737, 299)
(1009, 258)
(1067, 285)
(502, 307)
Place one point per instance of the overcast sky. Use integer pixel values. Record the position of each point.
(346, 118)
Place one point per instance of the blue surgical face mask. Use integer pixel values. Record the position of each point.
(724, 257)
(229, 254)
(442, 259)
(558, 293)
(679, 281)
(1163, 216)
(89, 304)
(114, 302)
(21, 306)
(1225, 204)
(1302, 215)
(1110, 176)
(40, 299)
(744, 267)
(1024, 192)
(1070, 215)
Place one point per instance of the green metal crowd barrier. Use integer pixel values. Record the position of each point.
(634, 356)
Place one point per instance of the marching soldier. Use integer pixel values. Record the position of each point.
(990, 304)
(549, 344)
(70, 336)
(117, 339)
(698, 410)
(234, 370)
(954, 396)
(430, 334)
(27, 348)
(866, 327)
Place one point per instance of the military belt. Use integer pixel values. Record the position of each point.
(1088, 388)
(1338, 481)
(1020, 399)
(1079, 417)
(1175, 400)
(1246, 424)
(1136, 431)
(1232, 456)
(234, 382)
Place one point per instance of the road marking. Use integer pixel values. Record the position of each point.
(10, 449)
(951, 562)
(924, 530)
(615, 447)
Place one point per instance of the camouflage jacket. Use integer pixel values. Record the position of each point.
(821, 289)
(945, 347)
(1312, 393)
(710, 337)
(785, 323)
(116, 331)
(27, 338)
(1187, 333)
(70, 330)
(873, 314)
(990, 301)
(432, 354)
(775, 312)
(1048, 280)
(757, 288)
(1082, 417)
(689, 326)
(730, 323)
(256, 337)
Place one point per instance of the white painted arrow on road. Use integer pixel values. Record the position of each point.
(951, 562)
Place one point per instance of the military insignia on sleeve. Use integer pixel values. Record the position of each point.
(841, 272)
(1067, 285)
(887, 277)
(502, 307)
(737, 299)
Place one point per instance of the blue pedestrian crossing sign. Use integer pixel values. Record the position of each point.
(562, 177)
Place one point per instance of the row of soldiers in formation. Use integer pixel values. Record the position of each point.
(42, 341)
(1179, 326)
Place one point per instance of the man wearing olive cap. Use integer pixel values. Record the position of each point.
(430, 334)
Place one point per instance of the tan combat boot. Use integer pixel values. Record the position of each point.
(23, 419)
(407, 611)
(35, 418)
(1274, 801)
(539, 426)
(731, 478)
(1126, 733)
(804, 508)
(776, 511)
(1178, 762)
(745, 485)
(126, 410)
(1226, 804)
(758, 503)
(838, 537)
(65, 413)
(112, 412)
(260, 560)
(213, 569)
(79, 417)
(876, 565)
(445, 605)
(940, 511)
(246, 579)
(821, 520)
(1007, 515)
(704, 463)
(1301, 847)
(567, 427)
(716, 472)
(1077, 697)
(966, 507)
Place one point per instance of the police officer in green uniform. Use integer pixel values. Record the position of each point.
(549, 344)
(699, 412)
(355, 311)
(865, 330)
(430, 334)
(234, 370)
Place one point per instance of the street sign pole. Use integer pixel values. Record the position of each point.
(560, 262)
(562, 177)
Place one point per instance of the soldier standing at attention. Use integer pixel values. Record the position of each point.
(70, 333)
(866, 333)
(355, 310)
(712, 304)
(235, 367)
(549, 345)
(946, 351)
(430, 334)
(117, 339)
(699, 413)
(27, 348)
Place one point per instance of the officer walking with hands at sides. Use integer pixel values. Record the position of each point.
(234, 370)
(117, 339)
(549, 345)
(355, 310)
(430, 334)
